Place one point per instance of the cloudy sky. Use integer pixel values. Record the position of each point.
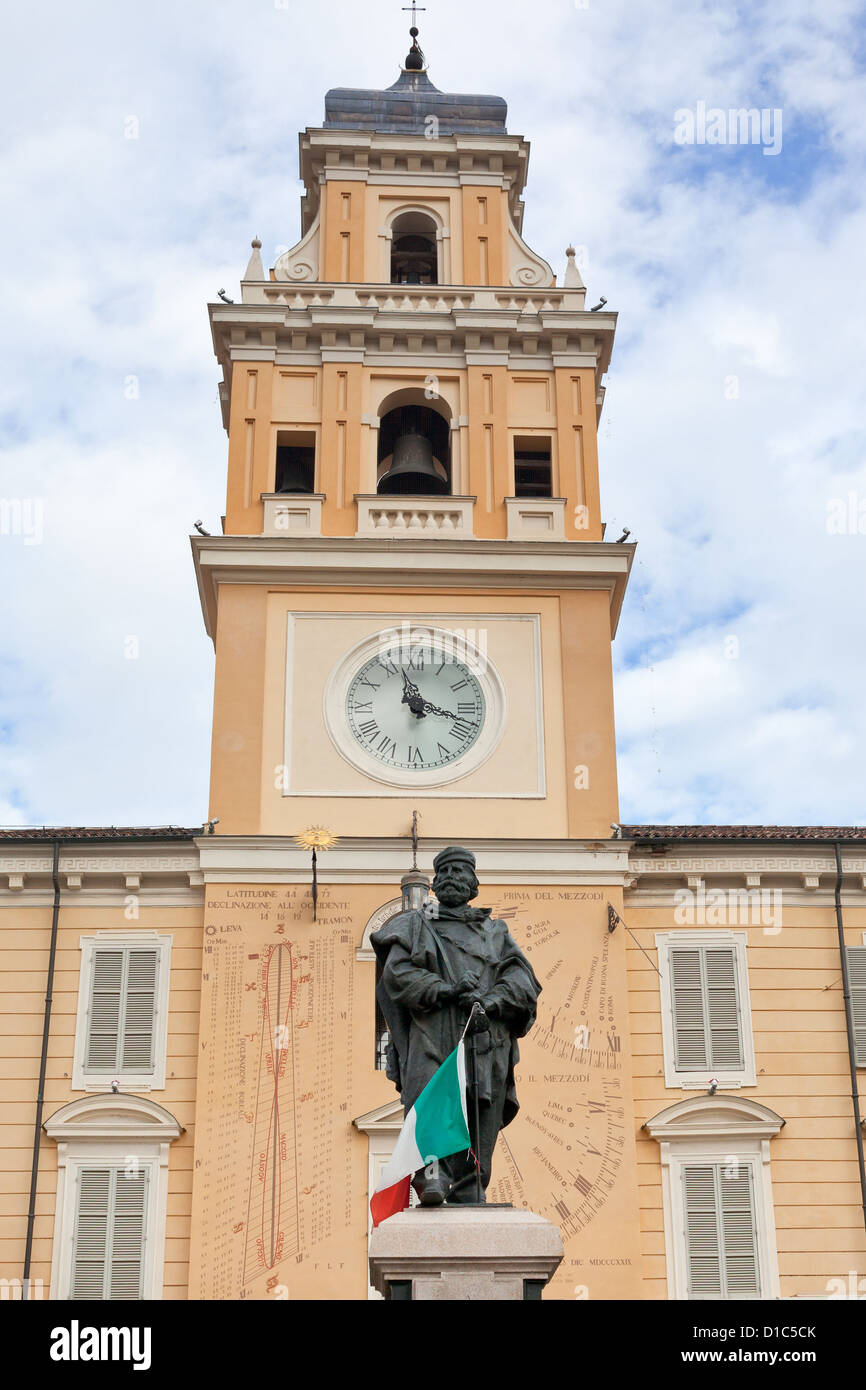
(143, 146)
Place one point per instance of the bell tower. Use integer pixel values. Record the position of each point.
(412, 605)
(411, 404)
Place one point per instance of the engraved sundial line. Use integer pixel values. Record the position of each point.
(264, 1250)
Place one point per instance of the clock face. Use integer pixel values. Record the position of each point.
(416, 707)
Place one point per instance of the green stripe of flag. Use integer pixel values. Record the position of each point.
(440, 1117)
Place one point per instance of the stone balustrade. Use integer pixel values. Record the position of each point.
(431, 299)
(431, 517)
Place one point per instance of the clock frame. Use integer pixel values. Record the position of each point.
(401, 647)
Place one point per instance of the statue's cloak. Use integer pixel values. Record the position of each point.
(418, 958)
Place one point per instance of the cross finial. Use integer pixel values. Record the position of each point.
(414, 8)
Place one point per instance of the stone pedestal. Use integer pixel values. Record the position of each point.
(464, 1252)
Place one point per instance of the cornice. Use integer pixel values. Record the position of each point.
(408, 565)
(804, 873)
(106, 875)
(322, 153)
(308, 323)
(277, 859)
(101, 874)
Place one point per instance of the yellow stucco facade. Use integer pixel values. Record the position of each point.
(259, 1155)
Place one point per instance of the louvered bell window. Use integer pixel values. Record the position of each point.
(108, 1252)
(857, 977)
(720, 1231)
(707, 1017)
(122, 1010)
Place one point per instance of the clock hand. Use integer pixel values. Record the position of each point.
(434, 709)
(413, 698)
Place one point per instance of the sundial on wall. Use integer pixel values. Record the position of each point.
(563, 1154)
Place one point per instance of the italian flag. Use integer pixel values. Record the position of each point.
(435, 1127)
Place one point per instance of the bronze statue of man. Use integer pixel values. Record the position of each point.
(434, 966)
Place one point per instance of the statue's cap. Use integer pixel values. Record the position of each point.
(454, 854)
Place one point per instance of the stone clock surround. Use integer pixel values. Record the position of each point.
(330, 646)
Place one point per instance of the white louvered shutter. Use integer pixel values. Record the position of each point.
(91, 1233)
(126, 1265)
(739, 1234)
(857, 977)
(687, 1002)
(707, 1018)
(723, 1010)
(720, 1231)
(108, 1247)
(140, 1012)
(702, 1232)
(106, 991)
(122, 1009)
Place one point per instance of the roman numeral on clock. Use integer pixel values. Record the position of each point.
(461, 730)
(364, 707)
(369, 729)
(415, 755)
(466, 707)
(461, 685)
(363, 681)
(387, 747)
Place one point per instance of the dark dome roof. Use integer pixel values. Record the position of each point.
(405, 107)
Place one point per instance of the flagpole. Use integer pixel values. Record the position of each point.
(476, 1138)
(478, 1193)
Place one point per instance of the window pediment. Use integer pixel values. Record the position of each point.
(113, 1116)
(385, 1119)
(708, 1117)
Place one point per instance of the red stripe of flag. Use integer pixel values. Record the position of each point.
(390, 1200)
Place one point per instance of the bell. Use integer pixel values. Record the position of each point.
(294, 473)
(412, 470)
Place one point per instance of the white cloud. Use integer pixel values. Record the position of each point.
(721, 263)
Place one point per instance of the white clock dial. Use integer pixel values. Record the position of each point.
(416, 708)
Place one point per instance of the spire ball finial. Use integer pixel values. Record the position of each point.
(256, 244)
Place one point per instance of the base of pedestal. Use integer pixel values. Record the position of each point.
(464, 1252)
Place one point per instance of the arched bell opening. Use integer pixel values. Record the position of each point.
(414, 453)
(414, 252)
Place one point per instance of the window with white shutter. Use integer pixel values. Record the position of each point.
(717, 1196)
(857, 978)
(109, 1239)
(706, 1025)
(720, 1230)
(112, 1196)
(122, 1013)
(705, 1008)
